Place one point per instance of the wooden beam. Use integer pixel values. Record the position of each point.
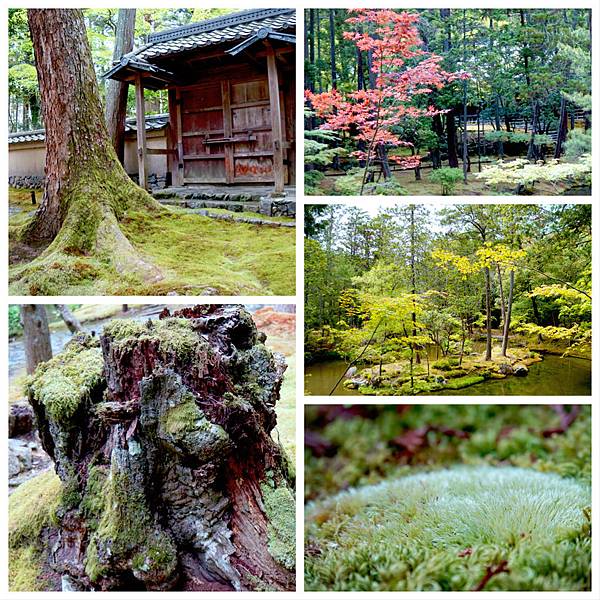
(140, 115)
(227, 131)
(171, 137)
(178, 175)
(278, 168)
(160, 151)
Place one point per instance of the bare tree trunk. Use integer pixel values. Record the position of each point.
(488, 315)
(502, 302)
(508, 313)
(116, 91)
(451, 138)
(71, 321)
(561, 134)
(332, 48)
(36, 335)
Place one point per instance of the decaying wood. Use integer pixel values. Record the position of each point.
(179, 429)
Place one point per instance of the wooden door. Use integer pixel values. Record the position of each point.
(202, 127)
(227, 133)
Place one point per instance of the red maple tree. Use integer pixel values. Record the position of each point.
(402, 71)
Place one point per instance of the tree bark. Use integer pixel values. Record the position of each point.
(502, 302)
(561, 134)
(116, 91)
(499, 144)
(488, 315)
(508, 313)
(451, 139)
(36, 335)
(86, 189)
(332, 48)
(71, 321)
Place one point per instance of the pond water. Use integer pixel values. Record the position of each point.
(554, 376)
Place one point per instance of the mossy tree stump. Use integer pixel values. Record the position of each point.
(161, 435)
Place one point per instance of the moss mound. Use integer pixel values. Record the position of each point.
(31, 508)
(61, 383)
(446, 529)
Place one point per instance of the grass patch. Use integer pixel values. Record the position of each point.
(285, 431)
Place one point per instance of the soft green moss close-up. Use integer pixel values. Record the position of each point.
(63, 382)
(447, 498)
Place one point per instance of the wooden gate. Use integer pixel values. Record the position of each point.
(227, 132)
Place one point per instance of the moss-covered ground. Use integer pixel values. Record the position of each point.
(446, 373)
(194, 255)
(453, 497)
(285, 432)
(425, 187)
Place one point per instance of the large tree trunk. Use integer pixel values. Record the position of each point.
(175, 481)
(86, 189)
(71, 321)
(36, 335)
(116, 91)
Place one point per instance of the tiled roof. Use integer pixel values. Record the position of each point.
(153, 123)
(230, 27)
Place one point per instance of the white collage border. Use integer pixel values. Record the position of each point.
(300, 5)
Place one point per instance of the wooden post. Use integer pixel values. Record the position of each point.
(140, 115)
(227, 131)
(179, 179)
(278, 170)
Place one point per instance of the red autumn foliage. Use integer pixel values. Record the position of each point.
(403, 71)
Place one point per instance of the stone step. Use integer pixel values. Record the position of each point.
(195, 205)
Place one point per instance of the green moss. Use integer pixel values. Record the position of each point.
(185, 417)
(496, 434)
(63, 382)
(125, 520)
(442, 530)
(445, 364)
(175, 335)
(157, 560)
(237, 258)
(124, 329)
(31, 508)
(25, 570)
(94, 501)
(462, 382)
(280, 508)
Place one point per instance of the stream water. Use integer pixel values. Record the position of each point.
(554, 376)
(59, 336)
